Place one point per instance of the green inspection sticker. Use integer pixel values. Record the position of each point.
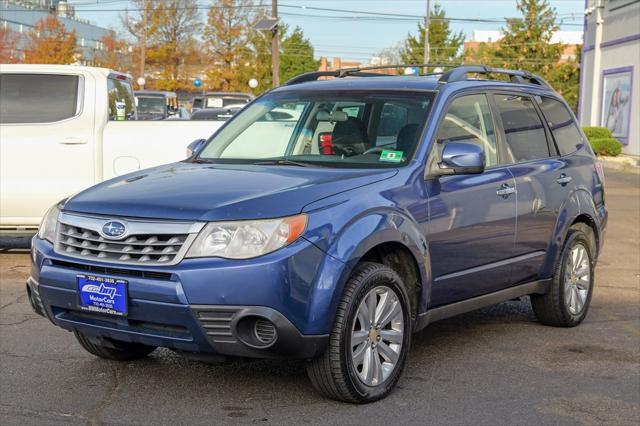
(391, 156)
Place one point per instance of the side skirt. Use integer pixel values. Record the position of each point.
(457, 308)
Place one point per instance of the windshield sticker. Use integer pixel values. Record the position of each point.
(391, 156)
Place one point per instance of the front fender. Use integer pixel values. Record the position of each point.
(347, 245)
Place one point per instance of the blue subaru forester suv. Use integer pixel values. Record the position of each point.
(329, 220)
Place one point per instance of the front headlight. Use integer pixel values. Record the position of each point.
(47, 229)
(246, 239)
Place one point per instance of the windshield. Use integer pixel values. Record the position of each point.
(341, 129)
(151, 105)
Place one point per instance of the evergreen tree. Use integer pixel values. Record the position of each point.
(527, 41)
(296, 56)
(565, 79)
(444, 45)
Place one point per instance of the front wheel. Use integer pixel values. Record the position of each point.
(113, 349)
(370, 339)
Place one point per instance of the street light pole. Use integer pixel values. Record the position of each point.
(143, 41)
(427, 18)
(275, 46)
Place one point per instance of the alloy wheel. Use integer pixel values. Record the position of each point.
(377, 335)
(577, 278)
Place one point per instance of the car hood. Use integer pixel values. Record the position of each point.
(208, 192)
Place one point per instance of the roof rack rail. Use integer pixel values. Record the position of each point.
(523, 77)
(357, 72)
(455, 73)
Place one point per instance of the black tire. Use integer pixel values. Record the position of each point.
(113, 349)
(551, 308)
(333, 373)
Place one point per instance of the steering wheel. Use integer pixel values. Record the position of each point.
(374, 150)
(345, 150)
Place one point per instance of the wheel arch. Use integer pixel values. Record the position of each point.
(389, 238)
(579, 208)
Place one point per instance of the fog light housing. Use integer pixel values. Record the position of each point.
(256, 331)
(264, 331)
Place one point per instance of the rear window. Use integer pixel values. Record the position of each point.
(525, 135)
(122, 105)
(564, 129)
(38, 98)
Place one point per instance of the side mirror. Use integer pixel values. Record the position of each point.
(194, 147)
(459, 158)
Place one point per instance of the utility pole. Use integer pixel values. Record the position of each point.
(143, 40)
(275, 46)
(595, 89)
(427, 18)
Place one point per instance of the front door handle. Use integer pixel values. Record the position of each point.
(505, 190)
(564, 179)
(73, 141)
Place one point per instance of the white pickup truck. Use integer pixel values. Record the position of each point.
(64, 128)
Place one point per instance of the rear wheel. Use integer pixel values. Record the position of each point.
(567, 301)
(113, 349)
(370, 339)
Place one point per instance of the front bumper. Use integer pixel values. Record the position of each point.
(198, 306)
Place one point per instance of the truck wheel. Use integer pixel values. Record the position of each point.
(370, 339)
(567, 301)
(113, 349)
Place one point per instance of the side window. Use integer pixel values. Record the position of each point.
(564, 129)
(468, 120)
(38, 98)
(121, 100)
(524, 132)
(393, 118)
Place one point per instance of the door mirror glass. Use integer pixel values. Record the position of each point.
(462, 158)
(194, 147)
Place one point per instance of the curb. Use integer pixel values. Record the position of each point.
(624, 163)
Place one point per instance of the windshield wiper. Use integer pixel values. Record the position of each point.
(284, 162)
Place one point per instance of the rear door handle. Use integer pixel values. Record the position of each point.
(73, 141)
(505, 190)
(564, 179)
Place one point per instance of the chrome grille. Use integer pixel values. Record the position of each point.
(145, 242)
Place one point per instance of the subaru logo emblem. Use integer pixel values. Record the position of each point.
(113, 229)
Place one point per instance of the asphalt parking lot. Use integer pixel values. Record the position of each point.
(493, 366)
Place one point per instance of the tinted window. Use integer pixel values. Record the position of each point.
(37, 98)
(563, 127)
(524, 132)
(121, 100)
(468, 120)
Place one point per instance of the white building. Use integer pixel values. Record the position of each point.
(610, 71)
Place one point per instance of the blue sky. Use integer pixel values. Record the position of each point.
(339, 34)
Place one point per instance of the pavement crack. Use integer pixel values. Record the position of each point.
(20, 322)
(16, 300)
(95, 414)
(41, 413)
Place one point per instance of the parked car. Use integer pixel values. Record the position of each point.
(64, 128)
(156, 105)
(215, 114)
(274, 240)
(219, 100)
